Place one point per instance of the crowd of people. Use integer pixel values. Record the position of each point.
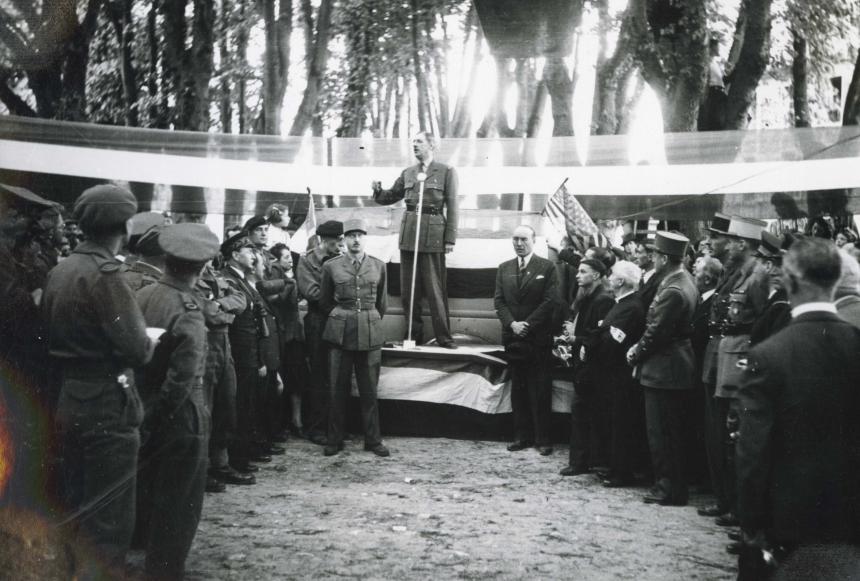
(181, 363)
(732, 364)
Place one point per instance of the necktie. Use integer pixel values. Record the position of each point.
(520, 270)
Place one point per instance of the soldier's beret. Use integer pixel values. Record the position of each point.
(189, 242)
(104, 206)
(355, 224)
(253, 223)
(330, 229)
(236, 242)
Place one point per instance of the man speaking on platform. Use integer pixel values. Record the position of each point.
(435, 184)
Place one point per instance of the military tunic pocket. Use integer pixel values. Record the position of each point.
(435, 240)
(334, 329)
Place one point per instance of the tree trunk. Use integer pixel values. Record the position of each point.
(226, 102)
(173, 56)
(398, 107)
(624, 107)
(74, 101)
(242, 64)
(527, 89)
(439, 67)
(537, 109)
(120, 16)
(799, 73)
(318, 59)
(611, 70)
(752, 62)
(851, 115)
(158, 100)
(495, 120)
(360, 50)
(560, 88)
(462, 123)
(196, 77)
(418, 69)
(278, 31)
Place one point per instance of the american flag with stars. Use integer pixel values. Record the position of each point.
(566, 214)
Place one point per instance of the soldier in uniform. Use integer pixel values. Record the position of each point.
(145, 265)
(353, 295)
(247, 333)
(97, 334)
(747, 298)
(308, 279)
(174, 456)
(716, 409)
(777, 311)
(437, 237)
(220, 303)
(269, 413)
(664, 365)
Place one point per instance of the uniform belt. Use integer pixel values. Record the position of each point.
(737, 330)
(429, 210)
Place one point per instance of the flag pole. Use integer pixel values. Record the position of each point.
(409, 343)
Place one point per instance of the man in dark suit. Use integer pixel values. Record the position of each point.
(589, 413)
(437, 237)
(619, 330)
(798, 454)
(525, 299)
(664, 365)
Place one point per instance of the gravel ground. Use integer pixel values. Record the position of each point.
(443, 509)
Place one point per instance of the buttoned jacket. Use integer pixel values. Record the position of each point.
(355, 300)
(440, 193)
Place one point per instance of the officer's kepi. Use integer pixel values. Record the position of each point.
(189, 242)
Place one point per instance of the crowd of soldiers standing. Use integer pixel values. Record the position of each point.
(178, 364)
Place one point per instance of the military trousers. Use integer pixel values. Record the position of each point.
(431, 282)
(664, 414)
(98, 419)
(173, 462)
(219, 384)
(366, 365)
(531, 398)
(317, 404)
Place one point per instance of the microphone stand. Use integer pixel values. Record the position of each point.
(409, 343)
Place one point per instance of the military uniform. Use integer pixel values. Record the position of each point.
(174, 456)
(138, 274)
(97, 333)
(220, 305)
(308, 279)
(665, 367)
(437, 230)
(246, 335)
(354, 296)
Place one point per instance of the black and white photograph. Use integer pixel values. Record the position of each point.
(429, 289)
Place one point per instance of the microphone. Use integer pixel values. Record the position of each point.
(421, 176)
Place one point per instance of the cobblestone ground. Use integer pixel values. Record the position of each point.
(446, 509)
